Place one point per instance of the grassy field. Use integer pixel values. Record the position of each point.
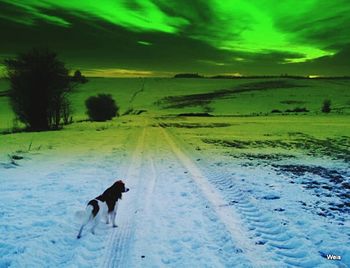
(241, 123)
(268, 136)
(219, 97)
(241, 109)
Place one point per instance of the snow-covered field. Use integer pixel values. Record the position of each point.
(268, 191)
(186, 207)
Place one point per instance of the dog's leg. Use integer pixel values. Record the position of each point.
(95, 222)
(107, 218)
(80, 231)
(114, 214)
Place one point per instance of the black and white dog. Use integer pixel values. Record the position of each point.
(105, 205)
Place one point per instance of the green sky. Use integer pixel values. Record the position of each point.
(158, 37)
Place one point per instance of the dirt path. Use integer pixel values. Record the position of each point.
(226, 215)
(176, 216)
(173, 216)
(119, 242)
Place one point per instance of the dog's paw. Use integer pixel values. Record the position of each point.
(78, 237)
(115, 226)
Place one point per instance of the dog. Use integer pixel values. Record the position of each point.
(104, 205)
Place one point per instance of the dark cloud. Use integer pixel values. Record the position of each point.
(95, 43)
(207, 43)
(325, 24)
(336, 65)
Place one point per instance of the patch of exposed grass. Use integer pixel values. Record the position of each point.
(292, 102)
(194, 125)
(195, 114)
(334, 183)
(263, 157)
(203, 99)
(333, 148)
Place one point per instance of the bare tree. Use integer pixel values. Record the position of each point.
(39, 86)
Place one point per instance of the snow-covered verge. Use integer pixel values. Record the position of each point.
(190, 204)
(42, 192)
(295, 206)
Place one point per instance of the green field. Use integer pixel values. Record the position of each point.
(241, 110)
(219, 97)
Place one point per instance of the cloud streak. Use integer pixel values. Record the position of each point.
(123, 73)
(136, 15)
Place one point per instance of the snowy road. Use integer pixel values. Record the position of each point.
(170, 220)
(180, 218)
(167, 220)
(180, 212)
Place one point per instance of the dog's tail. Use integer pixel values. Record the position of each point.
(84, 215)
(79, 214)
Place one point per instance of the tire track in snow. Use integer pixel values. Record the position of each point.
(286, 244)
(228, 217)
(152, 179)
(187, 232)
(120, 240)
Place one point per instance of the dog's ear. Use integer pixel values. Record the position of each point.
(119, 187)
(116, 183)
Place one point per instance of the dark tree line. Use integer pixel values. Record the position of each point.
(39, 88)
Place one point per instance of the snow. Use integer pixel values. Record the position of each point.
(273, 211)
(39, 200)
(183, 209)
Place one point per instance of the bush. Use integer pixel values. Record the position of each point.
(101, 107)
(275, 111)
(326, 107)
(39, 84)
(79, 78)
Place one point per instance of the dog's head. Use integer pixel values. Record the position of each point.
(119, 186)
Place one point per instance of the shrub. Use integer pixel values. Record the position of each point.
(274, 111)
(39, 84)
(188, 75)
(79, 78)
(101, 107)
(326, 107)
